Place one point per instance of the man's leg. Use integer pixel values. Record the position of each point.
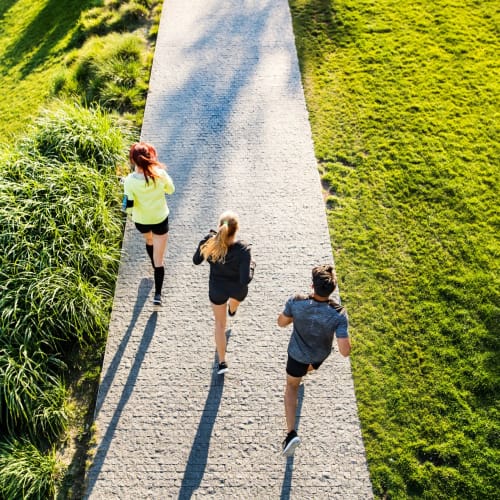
(291, 395)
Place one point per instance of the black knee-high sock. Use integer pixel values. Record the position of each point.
(159, 275)
(149, 249)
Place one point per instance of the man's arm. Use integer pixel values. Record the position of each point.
(284, 320)
(344, 345)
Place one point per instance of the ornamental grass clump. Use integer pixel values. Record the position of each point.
(111, 71)
(70, 132)
(26, 472)
(60, 237)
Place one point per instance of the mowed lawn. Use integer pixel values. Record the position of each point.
(34, 37)
(404, 105)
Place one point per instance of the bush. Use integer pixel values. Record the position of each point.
(60, 236)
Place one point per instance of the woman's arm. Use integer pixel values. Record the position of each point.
(198, 256)
(168, 183)
(246, 271)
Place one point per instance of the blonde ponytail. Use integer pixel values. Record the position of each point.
(216, 247)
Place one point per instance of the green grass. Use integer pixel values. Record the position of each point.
(27, 472)
(34, 37)
(403, 101)
(59, 255)
(61, 225)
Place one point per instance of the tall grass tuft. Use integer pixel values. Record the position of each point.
(26, 472)
(111, 71)
(70, 132)
(32, 396)
(60, 238)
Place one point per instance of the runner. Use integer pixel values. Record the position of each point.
(231, 270)
(316, 319)
(144, 198)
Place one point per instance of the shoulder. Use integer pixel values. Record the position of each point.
(128, 181)
(210, 234)
(242, 246)
(337, 307)
(298, 297)
(160, 173)
(294, 303)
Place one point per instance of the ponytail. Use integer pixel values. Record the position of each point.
(144, 156)
(216, 247)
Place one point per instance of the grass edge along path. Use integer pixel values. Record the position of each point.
(403, 103)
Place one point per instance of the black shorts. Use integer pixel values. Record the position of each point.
(159, 229)
(220, 294)
(297, 369)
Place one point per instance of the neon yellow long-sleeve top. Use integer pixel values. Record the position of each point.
(150, 205)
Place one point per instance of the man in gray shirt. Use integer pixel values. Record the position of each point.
(316, 320)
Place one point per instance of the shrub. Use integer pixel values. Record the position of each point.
(60, 235)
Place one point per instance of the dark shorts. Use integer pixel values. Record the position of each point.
(220, 294)
(297, 369)
(159, 229)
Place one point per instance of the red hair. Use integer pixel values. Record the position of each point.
(144, 155)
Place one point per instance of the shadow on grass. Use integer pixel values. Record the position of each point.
(40, 38)
(5, 5)
(197, 460)
(314, 23)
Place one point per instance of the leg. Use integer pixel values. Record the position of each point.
(291, 394)
(159, 242)
(233, 306)
(149, 238)
(220, 330)
(149, 245)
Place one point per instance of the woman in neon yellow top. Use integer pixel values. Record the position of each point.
(144, 199)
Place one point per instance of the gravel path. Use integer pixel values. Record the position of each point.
(226, 111)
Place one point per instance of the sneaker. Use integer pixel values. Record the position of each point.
(222, 368)
(157, 300)
(290, 443)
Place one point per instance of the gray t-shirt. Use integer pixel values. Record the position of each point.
(314, 326)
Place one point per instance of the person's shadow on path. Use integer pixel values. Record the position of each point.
(127, 391)
(142, 295)
(286, 487)
(197, 462)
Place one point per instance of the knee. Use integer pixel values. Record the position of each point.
(292, 385)
(220, 324)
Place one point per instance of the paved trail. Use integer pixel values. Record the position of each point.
(227, 113)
